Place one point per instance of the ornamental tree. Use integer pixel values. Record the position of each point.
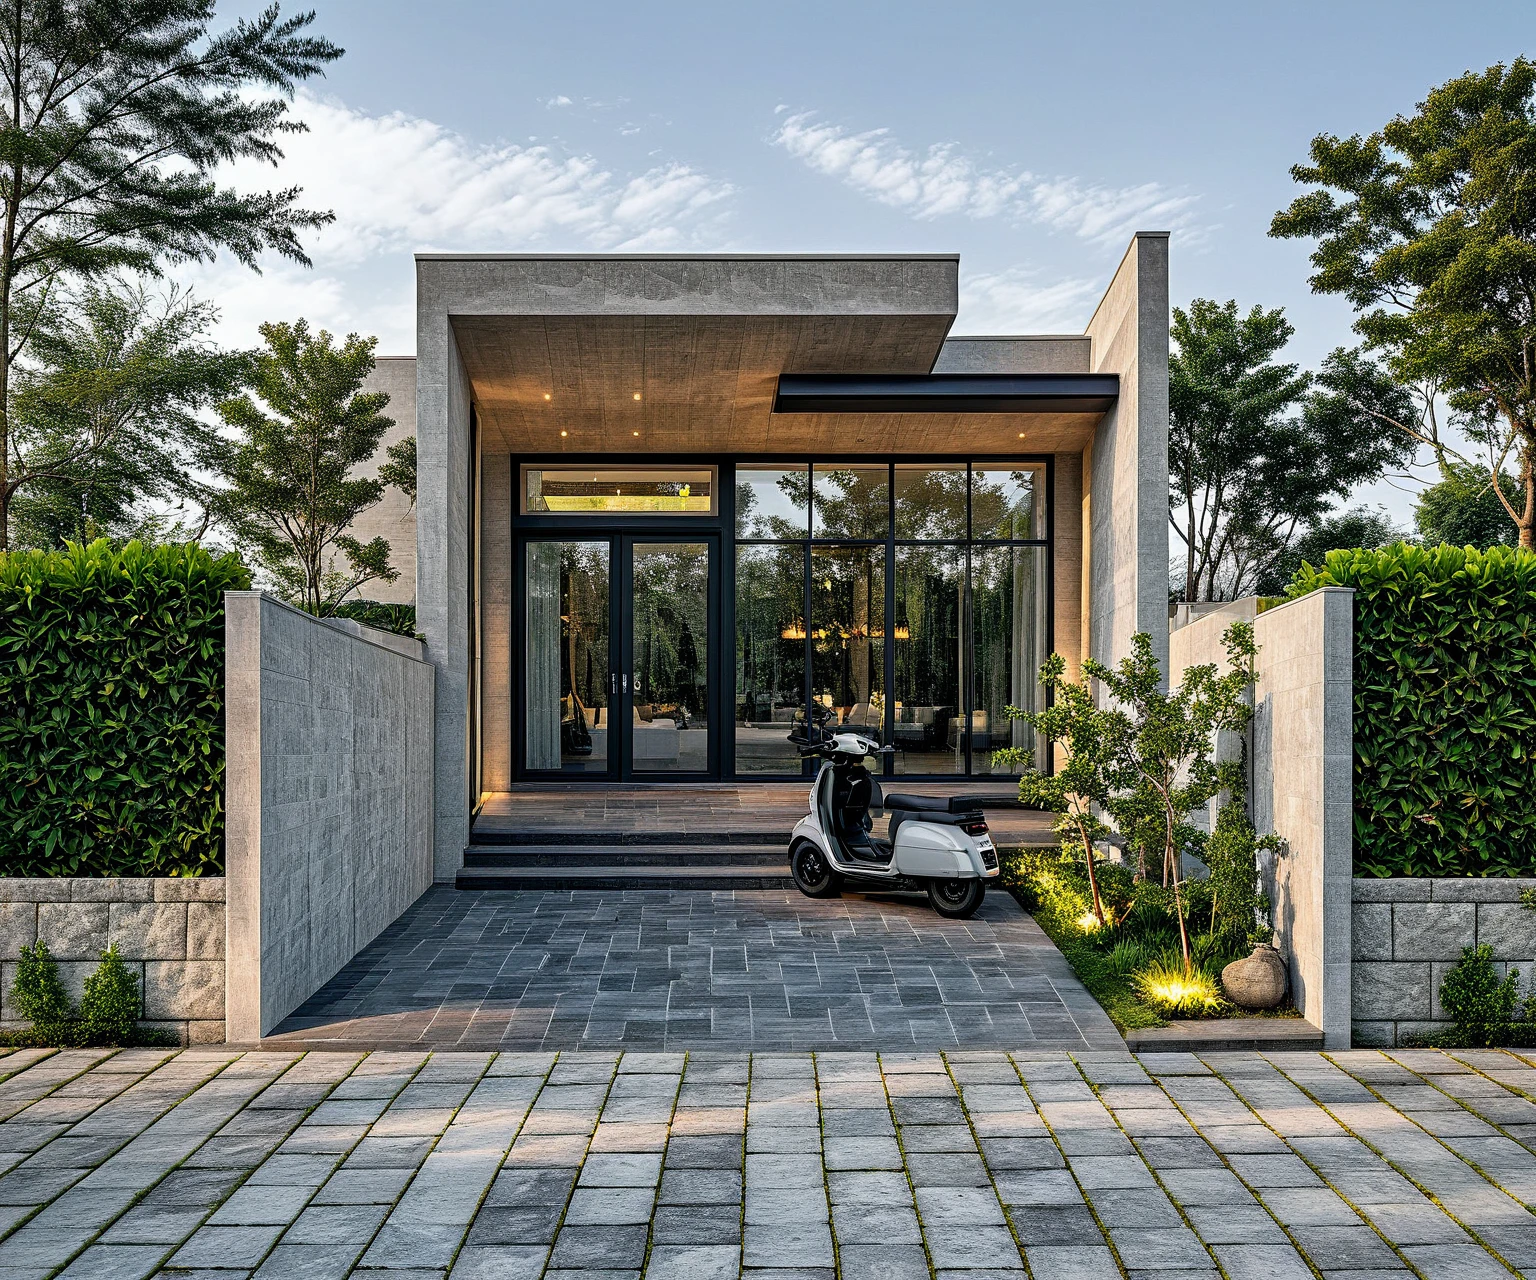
(1428, 228)
(1168, 754)
(1092, 765)
(290, 469)
(116, 115)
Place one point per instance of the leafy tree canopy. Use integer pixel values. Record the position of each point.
(1463, 510)
(293, 491)
(1356, 527)
(1259, 449)
(105, 411)
(116, 115)
(1428, 228)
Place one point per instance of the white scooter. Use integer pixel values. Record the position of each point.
(938, 846)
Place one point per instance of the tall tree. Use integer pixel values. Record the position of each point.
(106, 411)
(116, 114)
(1463, 509)
(292, 489)
(1259, 449)
(1428, 227)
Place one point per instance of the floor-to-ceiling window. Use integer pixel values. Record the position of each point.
(908, 600)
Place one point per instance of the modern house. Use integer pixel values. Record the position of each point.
(667, 503)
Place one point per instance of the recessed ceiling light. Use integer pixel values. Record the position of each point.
(563, 434)
(636, 433)
(1021, 435)
(546, 395)
(637, 395)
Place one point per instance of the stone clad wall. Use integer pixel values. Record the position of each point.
(169, 932)
(329, 798)
(1407, 934)
(1300, 753)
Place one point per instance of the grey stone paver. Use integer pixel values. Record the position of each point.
(767, 970)
(851, 1163)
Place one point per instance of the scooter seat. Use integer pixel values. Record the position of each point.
(915, 804)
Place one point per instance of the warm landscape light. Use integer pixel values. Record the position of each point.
(1087, 922)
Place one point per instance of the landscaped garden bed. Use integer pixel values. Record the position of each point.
(1142, 942)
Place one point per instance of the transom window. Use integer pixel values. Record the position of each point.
(589, 491)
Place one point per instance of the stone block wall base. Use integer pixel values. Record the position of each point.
(1408, 933)
(168, 931)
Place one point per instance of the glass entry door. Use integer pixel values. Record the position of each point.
(668, 651)
(619, 667)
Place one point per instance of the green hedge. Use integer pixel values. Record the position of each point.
(112, 710)
(399, 618)
(1445, 707)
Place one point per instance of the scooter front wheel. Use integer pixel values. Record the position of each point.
(956, 899)
(813, 874)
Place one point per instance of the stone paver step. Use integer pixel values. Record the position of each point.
(707, 837)
(613, 874)
(767, 854)
(1219, 1035)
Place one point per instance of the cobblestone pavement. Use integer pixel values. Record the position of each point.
(212, 1165)
(765, 969)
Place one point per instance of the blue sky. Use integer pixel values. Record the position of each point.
(1029, 138)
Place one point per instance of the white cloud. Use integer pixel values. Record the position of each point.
(1016, 301)
(559, 100)
(944, 180)
(398, 184)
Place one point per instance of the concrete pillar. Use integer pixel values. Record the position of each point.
(443, 567)
(1126, 480)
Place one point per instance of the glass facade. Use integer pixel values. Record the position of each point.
(907, 600)
(686, 622)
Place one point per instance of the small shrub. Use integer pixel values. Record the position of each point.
(1177, 994)
(399, 618)
(1483, 1006)
(40, 996)
(109, 1007)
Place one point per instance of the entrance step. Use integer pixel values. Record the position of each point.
(652, 854)
(611, 874)
(649, 837)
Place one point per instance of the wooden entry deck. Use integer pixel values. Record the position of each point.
(681, 836)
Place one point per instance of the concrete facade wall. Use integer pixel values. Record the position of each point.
(1039, 353)
(328, 795)
(496, 499)
(169, 933)
(393, 519)
(1068, 582)
(1301, 761)
(1126, 467)
(1408, 934)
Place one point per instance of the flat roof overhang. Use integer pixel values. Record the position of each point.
(1063, 393)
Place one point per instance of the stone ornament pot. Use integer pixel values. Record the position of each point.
(1257, 981)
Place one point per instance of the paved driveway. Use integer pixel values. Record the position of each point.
(209, 1165)
(694, 970)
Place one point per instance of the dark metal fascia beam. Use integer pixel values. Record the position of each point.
(946, 392)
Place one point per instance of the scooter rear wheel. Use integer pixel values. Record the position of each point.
(956, 899)
(813, 874)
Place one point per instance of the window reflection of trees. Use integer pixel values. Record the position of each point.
(670, 620)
